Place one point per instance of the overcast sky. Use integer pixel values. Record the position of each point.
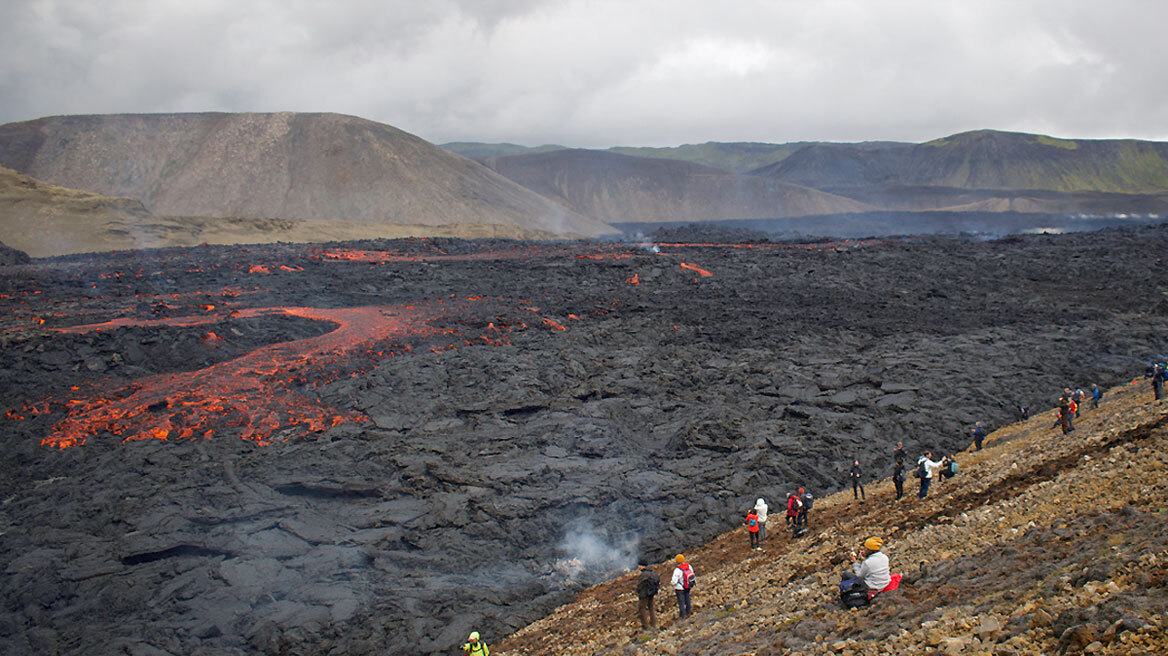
(597, 73)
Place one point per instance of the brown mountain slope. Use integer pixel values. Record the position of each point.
(614, 188)
(1042, 544)
(44, 220)
(285, 165)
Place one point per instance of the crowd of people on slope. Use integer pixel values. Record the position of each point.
(870, 572)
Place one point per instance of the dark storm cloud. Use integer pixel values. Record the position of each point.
(604, 72)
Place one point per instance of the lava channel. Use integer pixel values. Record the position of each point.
(255, 392)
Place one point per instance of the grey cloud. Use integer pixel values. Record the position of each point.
(605, 72)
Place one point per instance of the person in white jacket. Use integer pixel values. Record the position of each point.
(682, 580)
(931, 468)
(873, 570)
(760, 509)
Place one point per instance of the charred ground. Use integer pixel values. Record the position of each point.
(489, 399)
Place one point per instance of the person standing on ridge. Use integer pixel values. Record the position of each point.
(752, 528)
(475, 647)
(1078, 397)
(898, 478)
(979, 435)
(647, 585)
(683, 580)
(856, 477)
(1158, 376)
(1096, 396)
(760, 509)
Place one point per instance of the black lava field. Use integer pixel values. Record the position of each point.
(376, 447)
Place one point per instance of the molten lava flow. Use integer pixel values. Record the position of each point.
(634, 280)
(256, 393)
(696, 269)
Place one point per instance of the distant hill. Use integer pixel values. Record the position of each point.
(739, 157)
(278, 166)
(731, 157)
(479, 150)
(45, 220)
(618, 188)
(984, 159)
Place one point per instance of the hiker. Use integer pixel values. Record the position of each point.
(752, 528)
(807, 498)
(898, 454)
(760, 509)
(683, 580)
(979, 434)
(855, 476)
(1064, 414)
(1072, 412)
(475, 647)
(898, 478)
(948, 469)
(1096, 396)
(873, 572)
(926, 468)
(1158, 376)
(1023, 412)
(794, 503)
(1078, 397)
(647, 585)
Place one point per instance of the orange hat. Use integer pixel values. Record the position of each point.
(680, 559)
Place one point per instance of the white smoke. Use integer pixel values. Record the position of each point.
(645, 244)
(590, 553)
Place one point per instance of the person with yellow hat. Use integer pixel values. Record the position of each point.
(874, 571)
(475, 647)
(683, 580)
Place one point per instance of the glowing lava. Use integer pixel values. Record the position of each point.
(258, 393)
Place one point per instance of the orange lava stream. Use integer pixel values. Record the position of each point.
(696, 269)
(254, 392)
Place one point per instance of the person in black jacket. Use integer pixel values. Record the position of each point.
(979, 435)
(648, 583)
(857, 482)
(898, 478)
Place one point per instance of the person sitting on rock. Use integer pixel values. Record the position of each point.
(874, 571)
(475, 647)
(872, 574)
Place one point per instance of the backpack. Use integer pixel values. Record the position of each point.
(808, 499)
(953, 467)
(854, 594)
(688, 579)
(753, 522)
(920, 470)
(899, 475)
(647, 587)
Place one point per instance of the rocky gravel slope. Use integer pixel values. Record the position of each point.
(1043, 544)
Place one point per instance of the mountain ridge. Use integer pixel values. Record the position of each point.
(311, 166)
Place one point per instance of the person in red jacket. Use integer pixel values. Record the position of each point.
(752, 528)
(794, 503)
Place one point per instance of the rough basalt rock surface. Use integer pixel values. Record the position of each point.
(557, 410)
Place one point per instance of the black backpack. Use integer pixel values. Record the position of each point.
(854, 596)
(920, 472)
(647, 587)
